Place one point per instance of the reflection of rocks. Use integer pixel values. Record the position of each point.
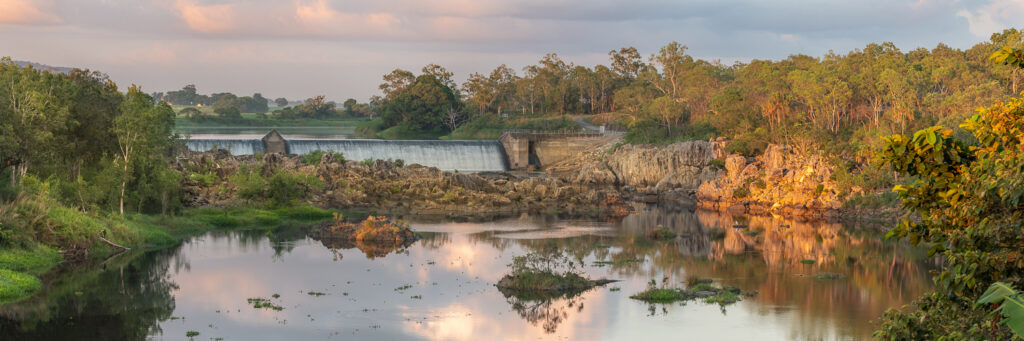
(692, 238)
(371, 249)
(780, 241)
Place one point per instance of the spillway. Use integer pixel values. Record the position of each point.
(235, 146)
(463, 156)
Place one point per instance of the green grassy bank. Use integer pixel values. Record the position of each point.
(37, 235)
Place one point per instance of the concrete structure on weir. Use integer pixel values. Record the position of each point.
(535, 149)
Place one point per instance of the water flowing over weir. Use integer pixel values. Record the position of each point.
(466, 156)
(463, 156)
(235, 146)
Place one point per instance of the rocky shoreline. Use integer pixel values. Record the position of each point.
(599, 182)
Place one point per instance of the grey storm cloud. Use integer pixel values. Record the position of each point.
(299, 48)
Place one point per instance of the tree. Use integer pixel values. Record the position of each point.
(320, 107)
(34, 112)
(349, 105)
(228, 112)
(191, 112)
(626, 62)
(395, 81)
(420, 107)
(441, 74)
(142, 129)
(967, 204)
(281, 102)
(668, 111)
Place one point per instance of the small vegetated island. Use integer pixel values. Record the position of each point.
(550, 274)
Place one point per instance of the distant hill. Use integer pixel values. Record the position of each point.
(43, 67)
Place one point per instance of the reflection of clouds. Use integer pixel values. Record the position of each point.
(226, 269)
(561, 231)
(455, 322)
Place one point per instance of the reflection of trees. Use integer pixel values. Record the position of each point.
(547, 310)
(125, 301)
(765, 257)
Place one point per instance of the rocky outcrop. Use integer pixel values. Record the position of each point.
(778, 181)
(680, 166)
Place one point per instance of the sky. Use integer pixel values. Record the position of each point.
(341, 48)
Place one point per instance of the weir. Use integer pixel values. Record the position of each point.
(514, 150)
(463, 156)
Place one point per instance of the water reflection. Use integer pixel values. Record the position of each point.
(441, 287)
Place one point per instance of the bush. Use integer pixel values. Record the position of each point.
(740, 192)
(717, 164)
(314, 157)
(204, 179)
(228, 113)
(251, 185)
(284, 188)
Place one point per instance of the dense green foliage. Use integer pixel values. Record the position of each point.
(314, 157)
(427, 105)
(1010, 305)
(77, 157)
(188, 96)
(76, 138)
(967, 203)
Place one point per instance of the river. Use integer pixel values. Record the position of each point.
(442, 286)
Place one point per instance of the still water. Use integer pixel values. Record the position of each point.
(325, 132)
(441, 287)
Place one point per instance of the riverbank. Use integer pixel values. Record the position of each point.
(39, 234)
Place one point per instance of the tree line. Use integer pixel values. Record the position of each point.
(78, 138)
(670, 95)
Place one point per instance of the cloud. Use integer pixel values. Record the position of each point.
(27, 12)
(993, 17)
(319, 18)
(208, 18)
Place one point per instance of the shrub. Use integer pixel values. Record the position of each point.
(205, 179)
(314, 157)
(367, 162)
(284, 188)
(717, 164)
(740, 192)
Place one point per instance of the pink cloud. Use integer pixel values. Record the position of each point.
(27, 12)
(206, 18)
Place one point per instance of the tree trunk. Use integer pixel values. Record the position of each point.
(123, 184)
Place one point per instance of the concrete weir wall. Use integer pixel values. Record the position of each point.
(527, 149)
(513, 150)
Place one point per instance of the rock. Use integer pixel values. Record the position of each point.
(644, 165)
(703, 294)
(733, 165)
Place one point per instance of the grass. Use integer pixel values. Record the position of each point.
(662, 295)
(601, 263)
(256, 120)
(33, 260)
(34, 229)
(15, 285)
(661, 233)
(545, 281)
(263, 303)
(724, 297)
(699, 288)
(490, 128)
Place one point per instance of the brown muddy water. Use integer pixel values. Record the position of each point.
(442, 286)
